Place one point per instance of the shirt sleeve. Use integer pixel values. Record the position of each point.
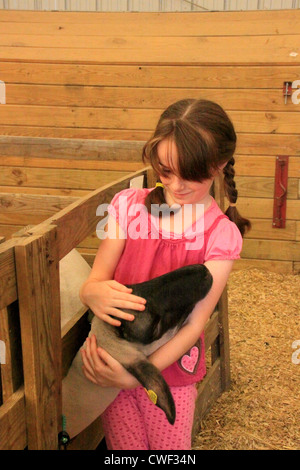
(119, 206)
(225, 242)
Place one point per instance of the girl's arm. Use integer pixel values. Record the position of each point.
(100, 292)
(188, 335)
(105, 297)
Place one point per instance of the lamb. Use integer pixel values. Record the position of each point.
(170, 299)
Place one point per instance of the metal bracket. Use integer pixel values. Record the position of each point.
(280, 191)
(287, 90)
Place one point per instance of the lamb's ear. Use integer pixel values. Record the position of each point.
(155, 386)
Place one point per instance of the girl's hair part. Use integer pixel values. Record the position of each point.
(205, 140)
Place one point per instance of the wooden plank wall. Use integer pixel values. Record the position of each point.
(148, 5)
(109, 76)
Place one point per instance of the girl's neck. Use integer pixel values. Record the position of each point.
(188, 217)
(206, 201)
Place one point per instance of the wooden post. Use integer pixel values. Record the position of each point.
(37, 265)
(222, 307)
(224, 340)
(11, 372)
(6, 373)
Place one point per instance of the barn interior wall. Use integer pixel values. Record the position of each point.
(149, 5)
(108, 76)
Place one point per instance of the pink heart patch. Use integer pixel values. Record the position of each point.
(189, 362)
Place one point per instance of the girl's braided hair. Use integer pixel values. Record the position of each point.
(232, 195)
(206, 140)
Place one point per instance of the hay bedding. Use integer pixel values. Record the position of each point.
(261, 409)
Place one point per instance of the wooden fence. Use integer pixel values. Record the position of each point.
(39, 352)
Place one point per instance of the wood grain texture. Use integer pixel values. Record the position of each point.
(12, 422)
(164, 24)
(223, 77)
(8, 284)
(11, 371)
(39, 304)
(69, 234)
(270, 50)
(117, 80)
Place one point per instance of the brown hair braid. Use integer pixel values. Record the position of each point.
(232, 195)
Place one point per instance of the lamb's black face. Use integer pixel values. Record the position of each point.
(170, 299)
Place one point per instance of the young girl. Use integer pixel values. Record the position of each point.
(193, 141)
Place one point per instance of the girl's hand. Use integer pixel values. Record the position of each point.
(102, 369)
(105, 298)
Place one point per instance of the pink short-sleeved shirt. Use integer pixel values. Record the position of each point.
(150, 252)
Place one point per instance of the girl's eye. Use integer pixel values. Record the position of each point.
(165, 171)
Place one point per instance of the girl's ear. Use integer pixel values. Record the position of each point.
(219, 170)
(221, 167)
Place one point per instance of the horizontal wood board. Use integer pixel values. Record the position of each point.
(114, 86)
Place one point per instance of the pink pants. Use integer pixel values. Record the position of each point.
(133, 422)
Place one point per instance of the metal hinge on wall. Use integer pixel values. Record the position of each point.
(280, 191)
(287, 90)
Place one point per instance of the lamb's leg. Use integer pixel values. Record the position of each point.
(133, 359)
(84, 401)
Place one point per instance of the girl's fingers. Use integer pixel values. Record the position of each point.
(116, 285)
(92, 358)
(110, 320)
(98, 363)
(92, 363)
(86, 365)
(120, 303)
(102, 369)
(131, 298)
(114, 312)
(89, 376)
(88, 353)
(124, 293)
(101, 358)
(107, 358)
(113, 299)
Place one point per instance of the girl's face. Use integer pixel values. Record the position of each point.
(179, 191)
